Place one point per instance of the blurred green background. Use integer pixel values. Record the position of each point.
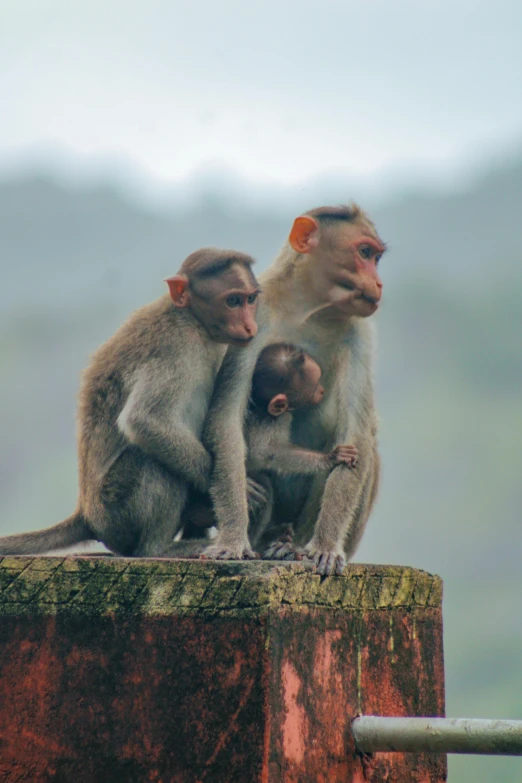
(75, 262)
(134, 131)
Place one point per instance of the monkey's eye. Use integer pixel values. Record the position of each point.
(233, 301)
(365, 251)
(251, 298)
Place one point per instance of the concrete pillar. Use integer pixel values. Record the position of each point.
(116, 670)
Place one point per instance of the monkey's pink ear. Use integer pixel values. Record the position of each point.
(178, 290)
(304, 234)
(278, 405)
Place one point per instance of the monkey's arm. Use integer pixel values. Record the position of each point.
(292, 460)
(224, 435)
(151, 421)
(270, 449)
(289, 460)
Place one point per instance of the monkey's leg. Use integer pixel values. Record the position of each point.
(310, 508)
(275, 535)
(261, 512)
(198, 515)
(358, 515)
(141, 504)
(259, 502)
(158, 503)
(277, 539)
(343, 513)
(284, 540)
(364, 508)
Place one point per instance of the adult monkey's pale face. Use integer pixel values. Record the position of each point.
(343, 260)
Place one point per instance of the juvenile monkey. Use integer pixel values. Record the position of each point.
(318, 293)
(142, 404)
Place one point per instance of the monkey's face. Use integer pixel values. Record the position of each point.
(344, 269)
(226, 306)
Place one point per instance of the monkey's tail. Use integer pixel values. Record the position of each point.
(72, 530)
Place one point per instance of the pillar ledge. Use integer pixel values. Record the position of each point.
(106, 585)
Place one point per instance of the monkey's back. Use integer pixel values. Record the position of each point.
(147, 334)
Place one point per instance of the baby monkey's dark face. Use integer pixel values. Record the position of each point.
(307, 387)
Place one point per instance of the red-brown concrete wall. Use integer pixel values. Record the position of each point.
(328, 668)
(146, 699)
(165, 671)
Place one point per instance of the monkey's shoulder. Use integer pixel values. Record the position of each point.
(260, 425)
(155, 332)
(265, 436)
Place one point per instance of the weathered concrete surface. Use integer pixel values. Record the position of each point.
(198, 672)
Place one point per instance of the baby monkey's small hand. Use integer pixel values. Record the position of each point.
(343, 455)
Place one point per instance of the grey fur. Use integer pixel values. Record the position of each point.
(330, 511)
(142, 406)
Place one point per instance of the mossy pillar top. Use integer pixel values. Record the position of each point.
(114, 669)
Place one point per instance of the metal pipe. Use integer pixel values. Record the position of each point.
(437, 735)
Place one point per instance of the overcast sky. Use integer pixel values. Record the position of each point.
(276, 90)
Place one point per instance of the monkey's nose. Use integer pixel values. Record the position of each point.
(250, 328)
(374, 296)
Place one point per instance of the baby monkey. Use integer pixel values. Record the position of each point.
(285, 379)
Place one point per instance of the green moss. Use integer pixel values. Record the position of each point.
(108, 585)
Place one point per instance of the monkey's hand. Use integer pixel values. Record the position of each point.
(343, 455)
(257, 496)
(283, 548)
(219, 551)
(327, 562)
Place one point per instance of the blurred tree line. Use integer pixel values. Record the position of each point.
(75, 261)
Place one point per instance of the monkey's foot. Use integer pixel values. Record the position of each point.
(220, 552)
(326, 562)
(191, 548)
(283, 549)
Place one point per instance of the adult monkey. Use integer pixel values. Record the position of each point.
(142, 405)
(318, 294)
